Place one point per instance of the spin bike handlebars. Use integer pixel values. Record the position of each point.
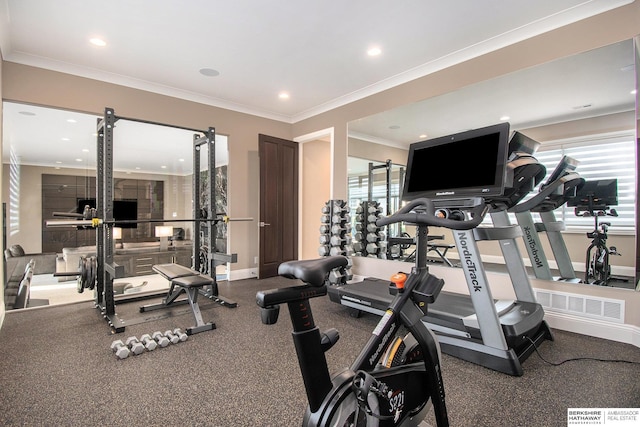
(423, 212)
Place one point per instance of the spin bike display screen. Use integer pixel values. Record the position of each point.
(602, 193)
(466, 164)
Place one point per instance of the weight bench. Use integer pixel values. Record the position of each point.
(443, 254)
(183, 279)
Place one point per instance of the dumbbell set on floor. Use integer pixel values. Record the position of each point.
(147, 342)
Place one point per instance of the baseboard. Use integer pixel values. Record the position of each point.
(247, 273)
(620, 332)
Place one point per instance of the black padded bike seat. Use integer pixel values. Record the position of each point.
(311, 271)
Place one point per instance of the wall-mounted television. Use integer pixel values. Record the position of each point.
(466, 164)
(123, 210)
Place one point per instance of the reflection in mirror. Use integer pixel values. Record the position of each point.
(375, 189)
(581, 106)
(49, 158)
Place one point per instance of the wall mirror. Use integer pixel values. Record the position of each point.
(49, 158)
(582, 106)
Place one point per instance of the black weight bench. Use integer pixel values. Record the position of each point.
(183, 279)
(437, 248)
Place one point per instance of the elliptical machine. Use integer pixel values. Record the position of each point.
(396, 373)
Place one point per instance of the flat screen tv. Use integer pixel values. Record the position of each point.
(123, 210)
(466, 164)
(597, 194)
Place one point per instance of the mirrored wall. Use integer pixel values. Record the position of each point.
(583, 106)
(50, 159)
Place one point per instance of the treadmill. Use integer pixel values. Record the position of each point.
(561, 186)
(496, 334)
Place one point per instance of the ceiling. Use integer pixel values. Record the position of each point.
(315, 53)
(41, 136)
(313, 50)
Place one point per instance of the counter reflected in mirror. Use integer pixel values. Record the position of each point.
(574, 105)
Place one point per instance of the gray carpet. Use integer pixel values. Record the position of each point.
(57, 369)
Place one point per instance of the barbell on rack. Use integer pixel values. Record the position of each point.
(96, 222)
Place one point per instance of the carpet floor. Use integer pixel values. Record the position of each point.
(58, 370)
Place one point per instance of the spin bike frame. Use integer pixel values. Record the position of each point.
(601, 271)
(408, 307)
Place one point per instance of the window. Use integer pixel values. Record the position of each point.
(602, 157)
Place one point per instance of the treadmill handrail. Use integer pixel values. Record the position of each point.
(543, 196)
(426, 215)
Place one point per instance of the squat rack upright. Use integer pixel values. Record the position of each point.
(107, 270)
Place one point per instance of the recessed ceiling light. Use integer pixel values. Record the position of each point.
(78, 160)
(163, 167)
(58, 162)
(65, 139)
(96, 41)
(181, 160)
(72, 121)
(374, 51)
(85, 150)
(424, 135)
(504, 118)
(209, 72)
(633, 92)
(283, 95)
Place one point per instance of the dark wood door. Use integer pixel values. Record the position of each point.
(278, 204)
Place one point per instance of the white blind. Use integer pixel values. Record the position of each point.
(605, 158)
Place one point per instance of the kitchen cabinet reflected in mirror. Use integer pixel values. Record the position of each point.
(582, 106)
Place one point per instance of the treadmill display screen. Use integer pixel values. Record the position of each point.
(467, 164)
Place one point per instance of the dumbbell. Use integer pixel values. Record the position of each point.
(336, 251)
(160, 339)
(178, 332)
(337, 229)
(372, 248)
(172, 337)
(339, 219)
(338, 240)
(134, 345)
(323, 250)
(324, 228)
(149, 343)
(324, 239)
(374, 237)
(326, 209)
(121, 350)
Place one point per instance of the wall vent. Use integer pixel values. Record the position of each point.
(607, 309)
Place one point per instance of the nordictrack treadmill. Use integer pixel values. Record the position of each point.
(560, 187)
(495, 334)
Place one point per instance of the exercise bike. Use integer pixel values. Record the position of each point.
(598, 267)
(398, 370)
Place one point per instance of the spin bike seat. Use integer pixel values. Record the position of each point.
(311, 271)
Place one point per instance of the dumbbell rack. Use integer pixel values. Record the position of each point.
(369, 240)
(335, 237)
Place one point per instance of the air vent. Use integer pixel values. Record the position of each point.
(593, 307)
